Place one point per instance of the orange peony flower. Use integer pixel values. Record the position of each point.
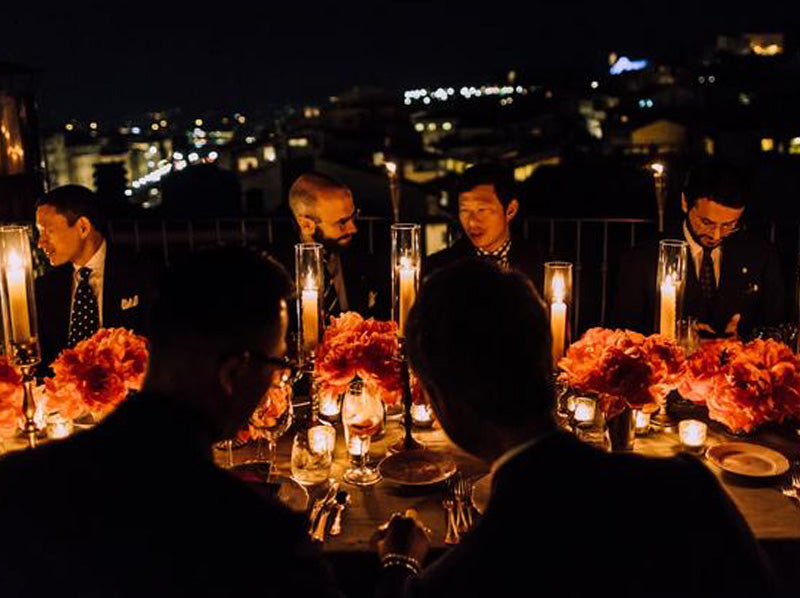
(623, 368)
(10, 398)
(97, 374)
(352, 346)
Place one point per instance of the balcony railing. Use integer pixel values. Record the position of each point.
(593, 245)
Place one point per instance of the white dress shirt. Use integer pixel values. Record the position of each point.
(696, 251)
(97, 264)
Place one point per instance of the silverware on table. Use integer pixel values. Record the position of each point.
(319, 505)
(342, 500)
(463, 495)
(451, 536)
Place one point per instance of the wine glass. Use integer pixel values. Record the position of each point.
(362, 416)
(270, 421)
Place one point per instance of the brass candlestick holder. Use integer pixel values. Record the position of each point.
(26, 358)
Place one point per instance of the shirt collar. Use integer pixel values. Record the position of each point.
(499, 253)
(96, 262)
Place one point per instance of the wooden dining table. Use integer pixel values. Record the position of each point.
(773, 517)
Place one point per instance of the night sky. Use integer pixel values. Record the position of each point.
(108, 63)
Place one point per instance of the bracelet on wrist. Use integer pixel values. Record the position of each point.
(394, 559)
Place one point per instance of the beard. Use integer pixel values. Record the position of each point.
(332, 245)
(702, 240)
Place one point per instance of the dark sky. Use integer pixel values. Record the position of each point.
(104, 62)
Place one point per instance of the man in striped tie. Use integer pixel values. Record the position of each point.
(325, 212)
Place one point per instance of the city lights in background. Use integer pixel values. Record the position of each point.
(442, 94)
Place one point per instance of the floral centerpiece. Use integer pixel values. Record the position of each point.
(624, 369)
(744, 385)
(96, 375)
(354, 347)
(11, 394)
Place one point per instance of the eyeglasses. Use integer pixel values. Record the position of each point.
(726, 228)
(342, 222)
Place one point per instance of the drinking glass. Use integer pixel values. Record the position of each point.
(270, 421)
(362, 416)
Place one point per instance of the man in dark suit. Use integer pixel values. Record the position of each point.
(563, 519)
(487, 206)
(734, 281)
(325, 213)
(136, 506)
(92, 284)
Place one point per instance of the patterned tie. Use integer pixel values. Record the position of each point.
(708, 282)
(330, 300)
(85, 319)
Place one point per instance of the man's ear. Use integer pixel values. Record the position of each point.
(684, 204)
(307, 225)
(84, 226)
(227, 373)
(511, 210)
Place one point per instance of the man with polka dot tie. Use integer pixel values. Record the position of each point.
(92, 284)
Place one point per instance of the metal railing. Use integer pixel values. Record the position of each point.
(593, 245)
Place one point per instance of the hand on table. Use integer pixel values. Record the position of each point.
(404, 534)
(731, 328)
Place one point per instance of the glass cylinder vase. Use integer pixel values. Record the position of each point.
(17, 297)
(558, 297)
(670, 285)
(406, 264)
(310, 282)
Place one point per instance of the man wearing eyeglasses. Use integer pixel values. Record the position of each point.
(734, 281)
(325, 212)
(138, 499)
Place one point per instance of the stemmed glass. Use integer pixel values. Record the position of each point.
(271, 419)
(362, 416)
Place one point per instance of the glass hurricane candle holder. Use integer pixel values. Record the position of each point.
(310, 281)
(406, 264)
(558, 297)
(642, 422)
(671, 282)
(422, 415)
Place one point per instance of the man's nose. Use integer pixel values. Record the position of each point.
(717, 233)
(351, 228)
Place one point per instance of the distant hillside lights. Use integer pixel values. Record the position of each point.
(441, 94)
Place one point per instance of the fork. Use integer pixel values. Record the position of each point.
(463, 493)
(452, 536)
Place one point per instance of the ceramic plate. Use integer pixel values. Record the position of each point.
(417, 468)
(286, 490)
(751, 460)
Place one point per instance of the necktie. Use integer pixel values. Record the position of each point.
(330, 300)
(708, 283)
(85, 318)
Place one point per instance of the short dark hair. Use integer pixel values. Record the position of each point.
(490, 173)
(480, 335)
(303, 192)
(74, 201)
(224, 293)
(719, 182)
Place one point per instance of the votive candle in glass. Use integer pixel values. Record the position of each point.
(692, 433)
(585, 408)
(642, 422)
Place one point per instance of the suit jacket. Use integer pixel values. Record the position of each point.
(750, 284)
(136, 507)
(125, 277)
(565, 519)
(524, 257)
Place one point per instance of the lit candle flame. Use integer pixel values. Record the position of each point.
(391, 168)
(309, 284)
(657, 168)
